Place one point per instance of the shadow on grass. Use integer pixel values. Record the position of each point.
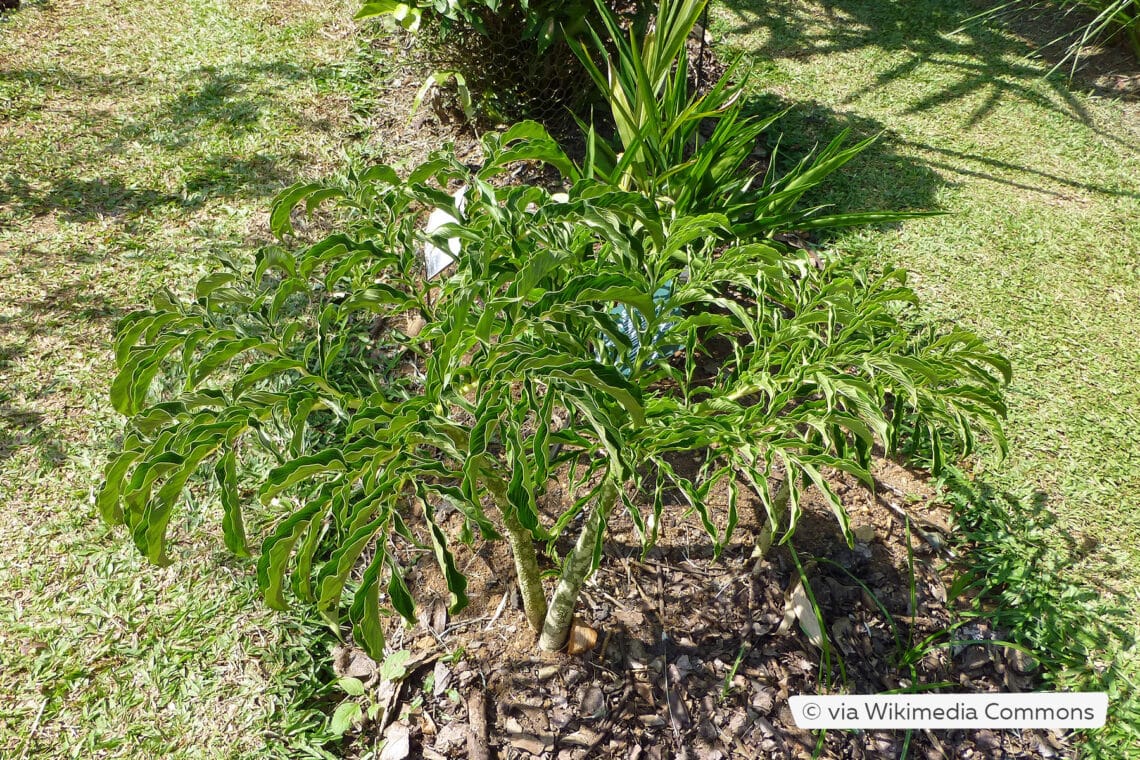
(211, 127)
(21, 428)
(55, 311)
(881, 178)
(973, 62)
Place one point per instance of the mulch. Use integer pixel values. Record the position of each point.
(693, 658)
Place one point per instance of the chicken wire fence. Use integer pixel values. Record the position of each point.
(510, 78)
(507, 75)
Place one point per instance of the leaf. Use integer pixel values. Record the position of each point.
(398, 593)
(329, 461)
(353, 687)
(346, 715)
(797, 606)
(334, 573)
(284, 204)
(272, 564)
(456, 581)
(392, 668)
(233, 527)
(368, 630)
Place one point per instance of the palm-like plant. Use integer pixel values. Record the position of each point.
(520, 335)
(539, 356)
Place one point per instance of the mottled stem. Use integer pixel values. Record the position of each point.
(576, 568)
(526, 562)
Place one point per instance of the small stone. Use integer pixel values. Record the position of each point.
(548, 672)
(651, 721)
(864, 533)
(594, 703)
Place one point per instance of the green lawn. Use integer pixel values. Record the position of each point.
(1040, 250)
(136, 140)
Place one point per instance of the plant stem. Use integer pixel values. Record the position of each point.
(779, 505)
(522, 549)
(556, 628)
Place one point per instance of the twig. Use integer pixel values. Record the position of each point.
(477, 726)
(499, 610)
(932, 540)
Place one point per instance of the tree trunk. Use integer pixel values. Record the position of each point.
(577, 567)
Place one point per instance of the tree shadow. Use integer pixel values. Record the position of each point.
(896, 172)
(983, 63)
(21, 428)
(218, 104)
(884, 177)
(53, 312)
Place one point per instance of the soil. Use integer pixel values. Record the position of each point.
(692, 657)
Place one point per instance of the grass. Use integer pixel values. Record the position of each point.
(136, 141)
(1038, 251)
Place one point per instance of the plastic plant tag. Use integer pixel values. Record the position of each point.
(435, 258)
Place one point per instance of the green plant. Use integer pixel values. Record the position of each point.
(694, 151)
(295, 358)
(511, 54)
(1013, 574)
(544, 21)
(1110, 18)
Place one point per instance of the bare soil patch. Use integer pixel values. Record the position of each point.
(691, 657)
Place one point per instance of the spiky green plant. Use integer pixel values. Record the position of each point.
(1109, 19)
(695, 151)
